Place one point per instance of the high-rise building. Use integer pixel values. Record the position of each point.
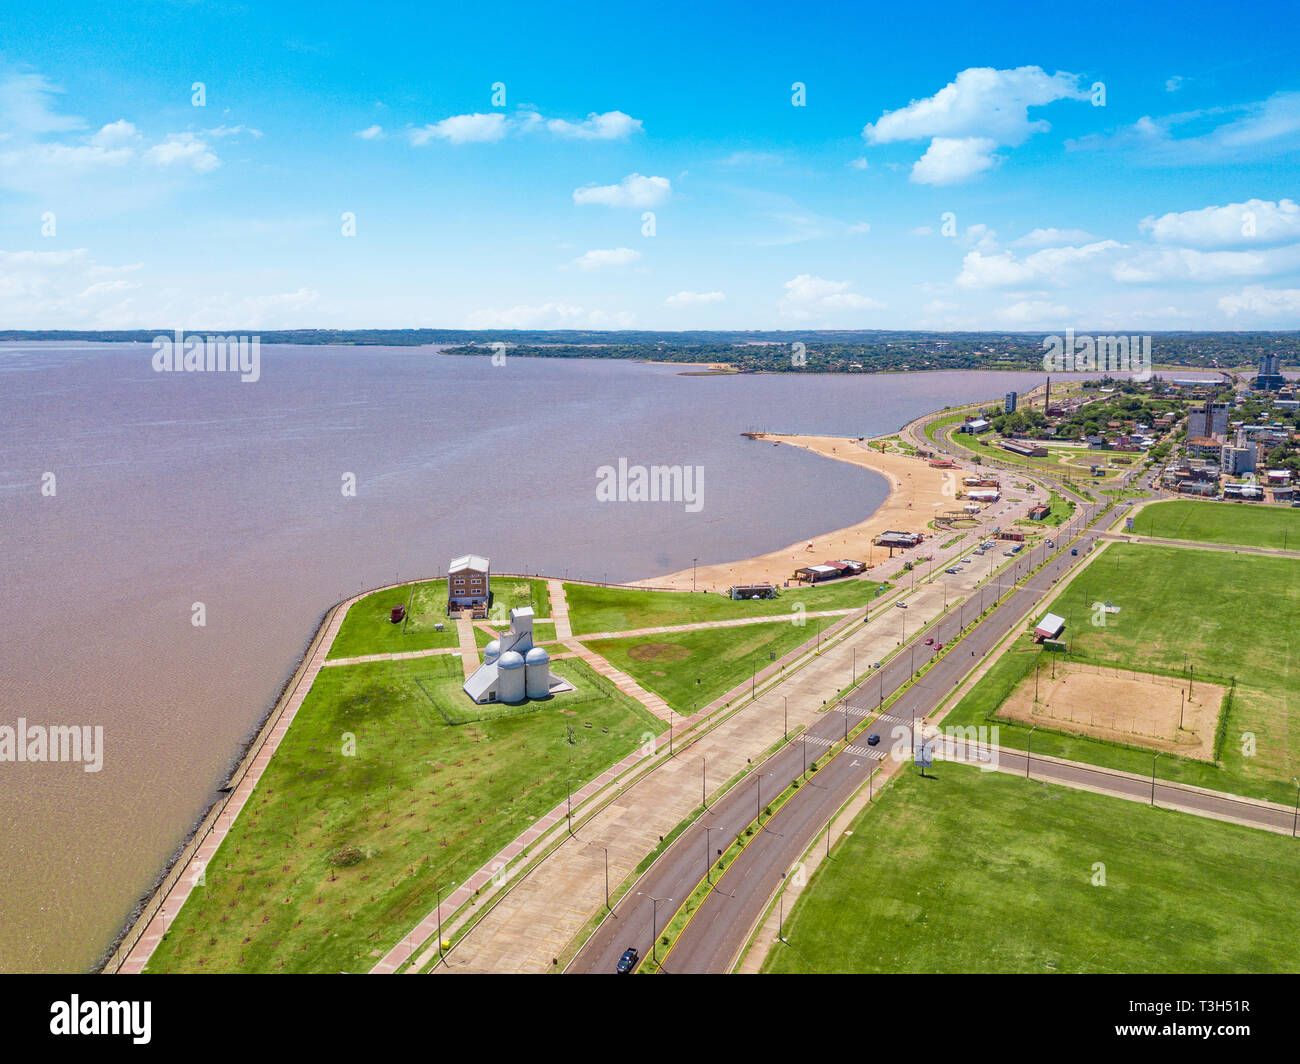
(1010, 405)
(1269, 378)
(1211, 420)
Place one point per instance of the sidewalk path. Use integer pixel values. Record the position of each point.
(559, 610)
(468, 646)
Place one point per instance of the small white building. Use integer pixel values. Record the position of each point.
(513, 669)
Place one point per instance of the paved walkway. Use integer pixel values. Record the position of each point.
(622, 680)
(403, 655)
(559, 610)
(734, 622)
(468, 646)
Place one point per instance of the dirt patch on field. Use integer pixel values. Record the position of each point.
(1121, 706)
(658, 652)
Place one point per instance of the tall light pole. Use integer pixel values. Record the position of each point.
(708, 853)
(694, 561)
(1153, 778)
(785, 700)
(1295, 817)
(1029, 749)
(438, 910)
(607, 906)
(569, 785)
(654, 924)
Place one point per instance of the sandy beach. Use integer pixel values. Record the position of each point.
(917, 492)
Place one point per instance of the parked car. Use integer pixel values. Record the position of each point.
(627, 962)
(938, 647)
(952, 570)
(901, 605)
(930, 642)
(876, 665)
(873, 740)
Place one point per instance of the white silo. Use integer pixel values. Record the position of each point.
(510, 677)
(538, 673)
(491, 652)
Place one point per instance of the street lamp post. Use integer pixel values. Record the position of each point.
(1029, 749)
(785, 701)
(438, 910)
(1153, 778)
(654, 924)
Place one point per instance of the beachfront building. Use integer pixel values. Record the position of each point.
(513, 669)
(751, 591)
(983, 495)
(815, 574)
(1023, 448)
(469, 585)
(899, 539)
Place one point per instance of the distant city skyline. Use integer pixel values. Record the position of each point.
(682, 168)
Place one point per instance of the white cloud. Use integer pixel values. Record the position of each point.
(807, 296)
(860, 163)
(219, 132)
(549, 316)
(119, 134)
(494, 126)
(980, 110)
(1264, 303)
(463, 129)
(633, 191)
(612, 125)
(1252, 223)
(1049, 237)
(694, 299)
(371, 132)
(183, 149)
(950, 160)
(923, 230)
(1033, 312)
(1056, 266)
(1175, 83)
(26, 107)
(858, 228)
(600, 259)
(1263, 129)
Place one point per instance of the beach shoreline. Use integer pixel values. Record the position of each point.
(917, 493)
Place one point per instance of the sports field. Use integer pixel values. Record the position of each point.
(1186, 614)
(688, 670)
(1233, 523)
(337, 854)
(989, 872)
(617, 609)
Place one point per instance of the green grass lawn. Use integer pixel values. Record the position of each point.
(335, 856)
(719, 658)
(367, 630)
(1231, 615)
(616, 609)
(987, 872)
(511, 592)
(1238, 524)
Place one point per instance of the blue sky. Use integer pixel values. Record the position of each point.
(949, 168)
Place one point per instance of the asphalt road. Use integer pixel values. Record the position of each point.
(723, 921)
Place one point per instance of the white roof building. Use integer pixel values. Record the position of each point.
(469, 561)
(1050, 626)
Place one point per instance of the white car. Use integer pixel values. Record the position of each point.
(901, 605)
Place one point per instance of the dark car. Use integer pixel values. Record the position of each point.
(627, 962)
(1074, 550)
(873, 740)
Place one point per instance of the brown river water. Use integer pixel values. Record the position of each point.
(177, 488)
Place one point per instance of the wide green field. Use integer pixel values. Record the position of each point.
(670, 664)
(616, 609)
(367, 630)
(988, 872)
(1228, 615)
(336, 856)
(1234, 523)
